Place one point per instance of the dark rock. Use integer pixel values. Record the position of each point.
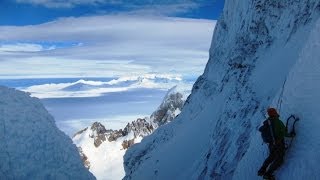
(126, 144)
(84, 158)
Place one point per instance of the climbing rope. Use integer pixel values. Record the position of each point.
(281, 96)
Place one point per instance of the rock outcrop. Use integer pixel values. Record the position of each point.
(169, 108)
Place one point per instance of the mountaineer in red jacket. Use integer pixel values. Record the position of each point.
(276, 146)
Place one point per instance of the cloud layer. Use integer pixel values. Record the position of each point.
(128, 4)
(82, 88)
(64, 4)
(24, 47)
(106, 46)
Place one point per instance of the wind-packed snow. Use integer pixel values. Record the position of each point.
(264, 53)
(31, 146)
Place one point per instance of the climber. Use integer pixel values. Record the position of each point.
(276, 145)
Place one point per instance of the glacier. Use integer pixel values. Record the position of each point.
(264, 53)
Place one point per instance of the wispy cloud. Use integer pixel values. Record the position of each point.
(155, 7)
(163, 9)
(23, 47)
(63, 4)
(127, 3)
(106, 46)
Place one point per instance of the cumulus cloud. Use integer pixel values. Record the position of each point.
(106, 46)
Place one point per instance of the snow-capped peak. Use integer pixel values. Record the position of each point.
(169, 108)
(102, 149)
(93, 83)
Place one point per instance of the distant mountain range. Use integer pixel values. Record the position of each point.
(84, 88)
(102, 149)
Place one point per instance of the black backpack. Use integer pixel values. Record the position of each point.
(266, 132)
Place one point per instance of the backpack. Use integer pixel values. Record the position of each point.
(266, 132)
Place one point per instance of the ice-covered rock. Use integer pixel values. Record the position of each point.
(170, 107)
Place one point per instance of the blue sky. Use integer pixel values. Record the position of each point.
(27, 12)
(105, 38)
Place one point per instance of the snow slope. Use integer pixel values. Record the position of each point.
(300, 96)
(263, 53)
(106, 159)
(31, 145)
(102, 149)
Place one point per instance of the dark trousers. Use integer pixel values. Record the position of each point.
(275, 158)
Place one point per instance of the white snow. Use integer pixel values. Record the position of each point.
(31, 146)
(301, 97)
(106, 161)
(256, 47)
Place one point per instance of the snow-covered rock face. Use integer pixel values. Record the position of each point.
(31, 146)
(170, 107)
(98, 132)
(260, 50)
(102, 149)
